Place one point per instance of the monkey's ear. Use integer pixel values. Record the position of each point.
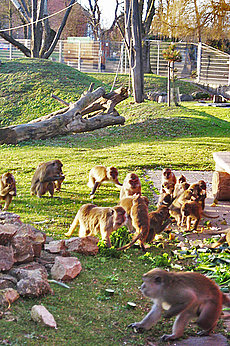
(158, 280)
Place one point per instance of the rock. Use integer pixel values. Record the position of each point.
(8, 296)
(55, 246)
(7, 281)
(33, 287)
(85, 245)
(28, 231)
(6, 217)
(6, 258)
(22, 249)
(186, 97)
(29, 270)
(65, 268)
(7, 232)
(40, 314)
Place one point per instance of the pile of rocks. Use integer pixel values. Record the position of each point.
(28, 259)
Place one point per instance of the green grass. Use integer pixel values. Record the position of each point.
(154, 136)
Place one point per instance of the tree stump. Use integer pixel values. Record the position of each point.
(221, 186)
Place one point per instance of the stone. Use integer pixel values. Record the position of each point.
(28, 231)
(84, 245)
(55, 246)
(6, 217)
(7, 232)
(6, 258)
(22, 249)
(8, 296)
(29, 270)
(33, 287)
(7, 281)
(40, 314)
(65, 268)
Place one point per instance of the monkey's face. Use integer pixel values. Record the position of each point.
(202, 184)
(134, 180)
(119, 216)
(113, 172)
(57, 167)
(182, 179)
(168, 188)
(151, 287)
(9, 180)
(167, 173)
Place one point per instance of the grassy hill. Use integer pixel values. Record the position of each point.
(153, 136)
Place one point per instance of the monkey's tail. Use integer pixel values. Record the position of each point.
(210, 216)
(131, 243)
(72, 226)
(226, 300)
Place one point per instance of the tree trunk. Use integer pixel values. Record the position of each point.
(70, 119)
(146, 57)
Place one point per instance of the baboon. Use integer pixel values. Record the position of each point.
(131, 186)
(127, 204)
(167, 177)
(93, 219)
(7, 189)
(187, 295)
(45, 176)
(101, 174)
(159, 220)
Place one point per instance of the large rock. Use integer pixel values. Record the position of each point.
(33, 287)
(28, 271)
(55, 246)
(8, 296)
(7, 281)
(6, 258)
(85, 245)
(40, 314)
(65, 268)
(28, 231)
(22, 249)
(7, 232)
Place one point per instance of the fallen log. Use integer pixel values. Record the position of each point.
(74, 118)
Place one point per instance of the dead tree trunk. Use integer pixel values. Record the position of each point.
(92, 111)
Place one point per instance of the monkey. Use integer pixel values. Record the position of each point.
(167, 177)
(223, 239)
(93, 219)
(191, 210)
(131, 185)
(203, 194)
(7, 189)
(140, 221)
(175, 207)
(164, 199)
(180, 186)
(45, 176)
(127, 203)
(186, 295)
(159, 220)
(102, 174)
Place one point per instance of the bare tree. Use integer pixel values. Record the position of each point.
(43, 38)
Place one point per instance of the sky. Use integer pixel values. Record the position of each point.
(107, 8)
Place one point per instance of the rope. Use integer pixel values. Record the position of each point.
(39, 20)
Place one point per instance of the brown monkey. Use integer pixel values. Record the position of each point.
(7, 189)
(186, 295)
(140, 221)
(102, 174)
(93, 219)
(203, 194)
(164, 199)
(131, 185)
(180, 186)
(175, 207)
(191, 210)
(167, 177)
(159, 220)
(127, 203)
(45, 176)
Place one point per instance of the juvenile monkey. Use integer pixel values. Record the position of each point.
(140, 221)
(186, 295)
(180, 186)
(175, 207)
(127, 204)
(167, 177)
(131, 185)
(191, 210)
(45, 176)
(7, 189)
(159, 220)
(93, 219)
(101, 174)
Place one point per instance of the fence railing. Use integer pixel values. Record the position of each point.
(208, 65)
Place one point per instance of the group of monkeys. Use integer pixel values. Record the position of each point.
(177, 199)
(186, 295)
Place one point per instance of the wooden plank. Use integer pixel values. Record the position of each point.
(222, 160)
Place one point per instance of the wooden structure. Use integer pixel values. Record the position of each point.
(221, 176)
